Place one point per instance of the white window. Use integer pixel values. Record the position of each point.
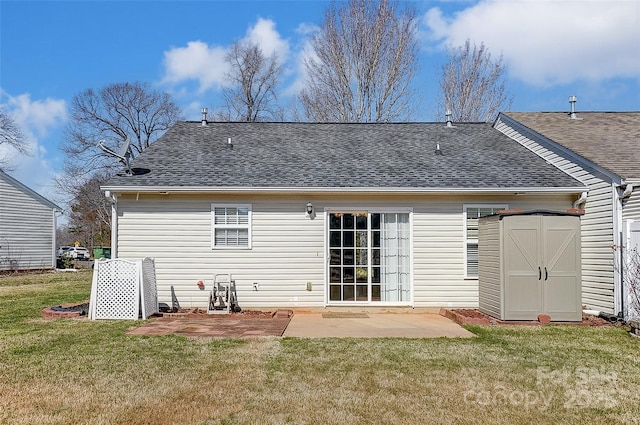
(231, 226)
(471, 215)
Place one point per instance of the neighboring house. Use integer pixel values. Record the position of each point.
(313, 215)
(27, 227)
(602, 150)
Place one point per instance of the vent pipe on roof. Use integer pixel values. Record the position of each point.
(572, 102)
(448, 114)
(204, 117)
(229, 144)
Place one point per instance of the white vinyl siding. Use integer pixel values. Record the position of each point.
(231, 226)
(27, 230)
(631, 205)
(597, 225)
(288, 252)
(471, 215)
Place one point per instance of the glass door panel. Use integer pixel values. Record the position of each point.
(348, 257)
(369, 257)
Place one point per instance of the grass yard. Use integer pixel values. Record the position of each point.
(73, 371)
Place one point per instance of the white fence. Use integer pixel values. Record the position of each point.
(123, 289)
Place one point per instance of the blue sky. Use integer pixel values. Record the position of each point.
(51, 50)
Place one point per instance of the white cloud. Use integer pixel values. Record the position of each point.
(38, 119)
(549, 42)
(205, 64)
(304, 51)
(264, 34)
(198, 62)
(36, 172)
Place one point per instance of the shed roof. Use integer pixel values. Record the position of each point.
(337, 156)
(608, 139)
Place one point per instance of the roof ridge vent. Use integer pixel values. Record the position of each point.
(572, 102)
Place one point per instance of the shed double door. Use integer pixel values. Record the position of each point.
(542, 267)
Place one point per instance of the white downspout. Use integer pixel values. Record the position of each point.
(113, 198)
(618, 290)
(54, 239)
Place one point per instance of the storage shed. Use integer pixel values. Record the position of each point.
(27, 227)
(529, 264)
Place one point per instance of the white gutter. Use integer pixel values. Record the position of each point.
(244, 189)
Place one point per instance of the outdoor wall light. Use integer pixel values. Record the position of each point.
(309, 208)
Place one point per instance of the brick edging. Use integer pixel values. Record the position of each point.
(462, 320)
(47, 313)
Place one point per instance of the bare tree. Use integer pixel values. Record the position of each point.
(253, 78)
(90, 216)
(112, 114)
(11, 135)
(363, 61)
(473, 85)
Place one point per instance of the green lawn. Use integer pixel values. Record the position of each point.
(83, 372)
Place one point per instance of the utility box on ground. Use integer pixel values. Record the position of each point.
(529, 263)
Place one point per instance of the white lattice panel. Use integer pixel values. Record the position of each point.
(149, 288)
(115, 293)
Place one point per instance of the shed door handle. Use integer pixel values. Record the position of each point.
(546, 274)
(539, 273)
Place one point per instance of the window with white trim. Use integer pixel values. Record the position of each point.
(471, 215)
(231, 226)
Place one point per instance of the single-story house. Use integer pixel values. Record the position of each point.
(27, 227)
(325, 214)
(600, 149)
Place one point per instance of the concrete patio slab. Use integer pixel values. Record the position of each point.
(376, 325)
(305, 324)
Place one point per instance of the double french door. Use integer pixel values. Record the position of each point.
(369, 257)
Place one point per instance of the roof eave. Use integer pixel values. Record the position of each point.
(404, 190)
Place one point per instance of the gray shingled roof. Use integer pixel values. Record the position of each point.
(311, 155)
(608, 139)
